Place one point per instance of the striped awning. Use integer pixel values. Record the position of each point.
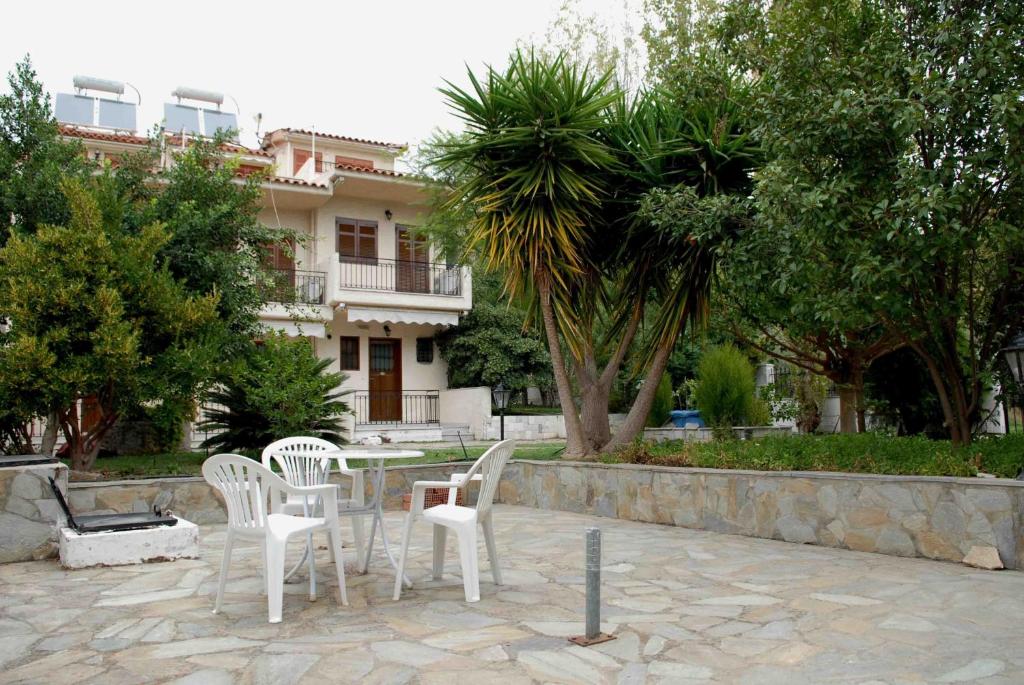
(416, 316)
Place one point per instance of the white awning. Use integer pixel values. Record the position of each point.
(378, 315)
(296, 329)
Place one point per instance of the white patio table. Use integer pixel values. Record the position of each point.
(376, 460)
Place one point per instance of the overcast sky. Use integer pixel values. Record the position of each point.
(365, 68)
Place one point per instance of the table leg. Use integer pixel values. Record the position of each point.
(377, 476)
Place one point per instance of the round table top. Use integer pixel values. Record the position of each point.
(377, 453)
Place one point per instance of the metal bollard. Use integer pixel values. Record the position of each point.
(593, 600)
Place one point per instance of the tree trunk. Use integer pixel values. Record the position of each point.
(594, 410)
(847, 409)
(82, 447)
(636, 419)
(859, 407)
(575, 442)
(49, 440)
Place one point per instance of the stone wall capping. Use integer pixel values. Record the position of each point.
(829, 475)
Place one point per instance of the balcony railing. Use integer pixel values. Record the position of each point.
(396, 406)
(294, 286)
(397, 275)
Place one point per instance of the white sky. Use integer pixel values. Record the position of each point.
(365, 68)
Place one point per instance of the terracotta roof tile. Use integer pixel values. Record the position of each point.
(75, 132)
(334, 136)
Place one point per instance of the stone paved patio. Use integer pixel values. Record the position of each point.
(687, 606)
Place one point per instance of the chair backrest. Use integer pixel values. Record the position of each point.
(246, 486)
(298, 466)
(489, 466)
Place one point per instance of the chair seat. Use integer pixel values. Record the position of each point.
(449, 513)
(283, 525)
(296, 504)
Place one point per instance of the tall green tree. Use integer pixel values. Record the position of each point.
(34, 159)
(217, 242)
(95, 313)
(894, 130)
(557, 163)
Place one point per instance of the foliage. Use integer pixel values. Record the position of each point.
(94, 312)
(217, 242)
(663, 403)
(1002, 456)
(489, 347)
(282, 389)
(492, 345)
(725, 387)
(902, 395)
(894, 132)
(34, 159)
(555, 164)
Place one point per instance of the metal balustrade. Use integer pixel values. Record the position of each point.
(396, 406)
(295, 286)
(398, 275)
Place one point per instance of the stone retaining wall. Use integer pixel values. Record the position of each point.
(938, 518)
(28, 511)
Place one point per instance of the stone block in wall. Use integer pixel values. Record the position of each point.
(29, 514)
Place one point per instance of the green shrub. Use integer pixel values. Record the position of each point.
(1001, 456)
(282, 390)
(662, 403)
(725, 387)
(760, 413)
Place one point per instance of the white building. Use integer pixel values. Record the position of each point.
(363, 285)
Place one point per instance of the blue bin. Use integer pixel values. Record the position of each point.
(686, 418)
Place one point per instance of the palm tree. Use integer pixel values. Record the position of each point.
(598, 209)
(533, 161)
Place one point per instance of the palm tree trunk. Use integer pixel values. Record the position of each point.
(636, 419)
(576, 444)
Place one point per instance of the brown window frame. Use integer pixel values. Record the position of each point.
(360, 226)
(318, 165)
(341, 352)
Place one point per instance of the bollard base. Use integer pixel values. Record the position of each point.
(584, 641)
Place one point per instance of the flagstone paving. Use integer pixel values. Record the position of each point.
(686, 606)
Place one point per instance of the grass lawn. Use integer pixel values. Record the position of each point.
(191, 463)
(864, 453)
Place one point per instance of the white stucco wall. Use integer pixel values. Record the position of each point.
(469, 406)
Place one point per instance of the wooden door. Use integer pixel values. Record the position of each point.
(413, 262)
(385, 380)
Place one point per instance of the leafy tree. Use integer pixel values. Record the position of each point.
(95, 313)
(218, 245)
(556, 165)
(490, 345)
(282, 389)
(34, 159)
(894, 130)
(725, 387)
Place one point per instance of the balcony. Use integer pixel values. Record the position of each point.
(295, 286)
(397, 275)
(399, 284)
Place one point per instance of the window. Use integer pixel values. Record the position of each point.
(349, 357)
(353, 161)
(425, 350)
(357, 240)
(299, 158)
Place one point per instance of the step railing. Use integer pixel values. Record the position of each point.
(396, 407)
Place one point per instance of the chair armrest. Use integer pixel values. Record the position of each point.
(309, 490)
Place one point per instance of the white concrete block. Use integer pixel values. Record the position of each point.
(118, 548)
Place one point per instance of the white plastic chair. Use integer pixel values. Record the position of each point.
(295, 469)
(247, 487)
(462, 520)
